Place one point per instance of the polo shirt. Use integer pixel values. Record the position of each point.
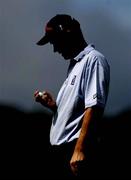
(86, 85)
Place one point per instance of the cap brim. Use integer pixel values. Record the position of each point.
(43, 41)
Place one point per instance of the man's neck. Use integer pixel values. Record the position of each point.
(79, 48)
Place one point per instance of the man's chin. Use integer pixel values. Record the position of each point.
(66, 57)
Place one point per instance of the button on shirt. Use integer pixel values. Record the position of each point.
(86, 85)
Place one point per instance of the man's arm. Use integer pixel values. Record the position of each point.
(91, 114)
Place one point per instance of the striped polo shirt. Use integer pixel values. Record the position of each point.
(86, 85)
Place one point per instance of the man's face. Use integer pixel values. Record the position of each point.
(62, 45)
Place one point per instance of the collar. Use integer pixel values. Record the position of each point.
(87, 50)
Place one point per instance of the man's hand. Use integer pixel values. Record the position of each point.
(77, 159)
(46, 99)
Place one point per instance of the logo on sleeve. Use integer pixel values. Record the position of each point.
(73, 80)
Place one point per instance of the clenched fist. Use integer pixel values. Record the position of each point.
(46, 99)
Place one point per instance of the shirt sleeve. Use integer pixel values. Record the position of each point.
(96, 82)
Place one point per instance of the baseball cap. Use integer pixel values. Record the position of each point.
(57, 25)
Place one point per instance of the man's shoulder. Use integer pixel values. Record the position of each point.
(96, 57)
(96, 54)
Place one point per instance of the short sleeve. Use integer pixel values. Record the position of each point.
(96, 82)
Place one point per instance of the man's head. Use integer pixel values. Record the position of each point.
(62, 31)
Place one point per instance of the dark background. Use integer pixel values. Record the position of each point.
(24, 144)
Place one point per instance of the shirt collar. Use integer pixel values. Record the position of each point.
(87, 49)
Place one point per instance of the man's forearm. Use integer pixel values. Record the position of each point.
(91, 115)
(89, 122)
(84, 129)
(54, 108)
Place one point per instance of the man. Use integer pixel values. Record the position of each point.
(80, 102)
